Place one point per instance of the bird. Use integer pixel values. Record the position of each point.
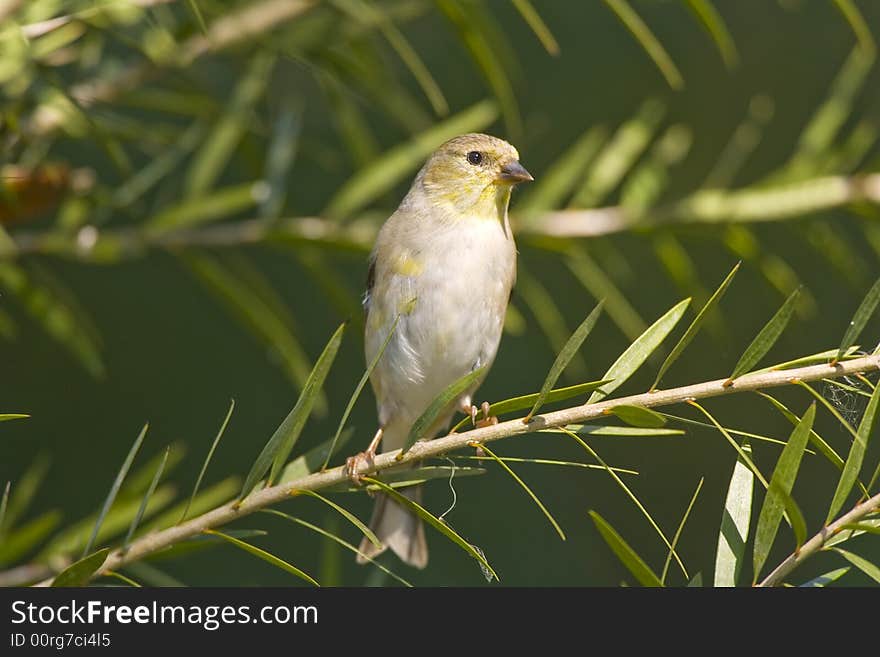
(439, 281)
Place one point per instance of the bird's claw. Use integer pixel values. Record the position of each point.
(353, 464)
(486, 421)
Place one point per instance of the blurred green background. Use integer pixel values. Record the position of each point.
(174, 355)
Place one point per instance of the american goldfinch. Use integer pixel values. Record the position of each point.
(444, 263)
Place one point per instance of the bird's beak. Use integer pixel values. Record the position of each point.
(514, 173)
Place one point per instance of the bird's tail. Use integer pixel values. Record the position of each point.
(397, 528)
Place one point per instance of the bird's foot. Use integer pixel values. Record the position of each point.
(368, 457)
(487, 420)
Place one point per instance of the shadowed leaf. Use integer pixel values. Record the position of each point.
(570, 348)
(353, 519)
(826, 578)
(265, 556)
(781, 483)
(766, 338)
(114, 489)
(638, 352)
(539, 27)
(870, 569)
(435, 522)
(312, 460)
(735, 521)
(695, 326)
(711, 20)
(633, 562)
(525, 487)
(25, 489)
(860, 319)
(208, 459)
(859, 25)
(146, 499)
(638, 416)
(678, 531)
(281, 443)
(79, 573)
(28, 536)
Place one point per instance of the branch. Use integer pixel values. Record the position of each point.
(265, 497)
(818, 541)
(709, 206)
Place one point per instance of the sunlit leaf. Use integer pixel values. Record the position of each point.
(633, 562)
(860, 319)
(633, 432)
(781, 483)
(208, 459)
(5, 417)
(859, 25)
(734, 532)
(313, 459)
(440, 405)
(525, 487)
(568, 351)
(279, 446)
(435, 522)
(348, 515)
(573, 464)
(678, 531)
(146, 499)
(79, 573)
(739, 450)
(265, 556)
(826, 578)
(695, 325)
(638, 352)
(766, 338)
(407, 477)
(114, 489)
(870, 569)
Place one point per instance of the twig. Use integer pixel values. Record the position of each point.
(818, 541)
(421, 450)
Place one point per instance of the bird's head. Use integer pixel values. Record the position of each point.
(474, 174)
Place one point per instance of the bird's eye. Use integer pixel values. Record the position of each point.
(475, 158)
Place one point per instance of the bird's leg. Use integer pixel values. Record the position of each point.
(487, 420)
(353, 463)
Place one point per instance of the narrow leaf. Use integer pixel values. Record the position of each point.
(440, 405)
(636, 432)
(409, 477)
(114, 489)
(136, 521)
(4, 417)
(678, 531)
(859, 25)
(526, 488)
(281, 443)
(265, 556)
(735, 523)
(25, 489)
(539, 27)
(856, 456)
(568, 351)
(639, 351)
(860, 319)
(826, 578)
(870, 569)
(311, 461)
(648, 41)
(3, 504)
(28, 536)
(208, 460)
(695, 326)
(122, 578)
(79, 573)
(639, 416)
(435, 522)
(573, 464)
(781, 483)
(348, 515)
(766, 338)
(633, 562)
(711, 20)
(739, 450)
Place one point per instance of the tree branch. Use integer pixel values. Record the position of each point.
(818, 541)
(265, 497)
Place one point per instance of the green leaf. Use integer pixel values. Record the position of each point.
(525, 487)
(281, 443)
(409, 477)
(635, 432)
(859, 25)
(146, 499)
(555, 395)
(695, 326)
(870, 569)
(435, 522)
(348, 515)
(25, 489)
(678, 531)
(312, 459)
(633, 562)
(539, 27)
(440, 405)
(335, 538)
(218, 204)
(28, 536)
(638, 352)
(860, 319)
(734, 532)
(826, 578)
(386, 171)
(280, 157)
(712, 21)
(79, 573)
(194, 8)
(122, 578)
(648, 41)
(638, 416)
(265, 556)
(570, 348)
(766, 338)
(114, 489)
(781, 483)
(360, 386)
(5, 417)
(208, 459)
(856, 456)
(4, 501)
(208, 499)
(201, 542)
(574, 464)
